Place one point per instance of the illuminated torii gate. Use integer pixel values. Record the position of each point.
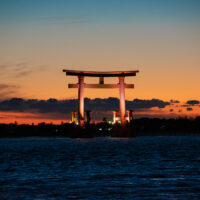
(81, 85)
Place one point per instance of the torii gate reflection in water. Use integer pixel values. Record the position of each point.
(81, 85)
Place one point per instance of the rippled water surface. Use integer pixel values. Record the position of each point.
(100, 168)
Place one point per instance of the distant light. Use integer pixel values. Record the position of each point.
(100, 129)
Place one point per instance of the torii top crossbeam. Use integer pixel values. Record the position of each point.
(100, 74)
(81, 85)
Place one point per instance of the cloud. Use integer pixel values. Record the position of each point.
(38, 106)
(3, 86)
(185, 105)
(21, 69)
(16, 70)
(66, 106)
(174, 101)
(3, 67)
(7, 86)
(61, 109)
(192, 102)
(140, 103)
(23, 73)
(8, 91)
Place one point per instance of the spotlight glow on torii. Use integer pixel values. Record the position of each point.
(81, 85)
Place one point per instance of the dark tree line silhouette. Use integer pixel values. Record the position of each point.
(139, 127)
(157, 126)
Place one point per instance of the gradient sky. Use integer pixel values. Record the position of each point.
(38, 38)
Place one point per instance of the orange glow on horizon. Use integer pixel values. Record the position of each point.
(28, 118)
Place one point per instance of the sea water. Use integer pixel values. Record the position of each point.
(100, 168)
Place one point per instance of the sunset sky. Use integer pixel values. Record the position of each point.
(39, 38)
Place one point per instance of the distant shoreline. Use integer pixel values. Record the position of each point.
(140, 127)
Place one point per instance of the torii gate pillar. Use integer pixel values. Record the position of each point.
(81, 100)
(122, 100)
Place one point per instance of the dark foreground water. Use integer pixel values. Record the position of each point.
(101, 168)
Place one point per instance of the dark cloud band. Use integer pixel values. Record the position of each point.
(65, 106)
(193, 102)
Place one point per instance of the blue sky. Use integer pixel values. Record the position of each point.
(97, 11)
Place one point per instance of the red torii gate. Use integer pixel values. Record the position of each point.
(81, 85)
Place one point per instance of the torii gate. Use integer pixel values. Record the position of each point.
(81, 85)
